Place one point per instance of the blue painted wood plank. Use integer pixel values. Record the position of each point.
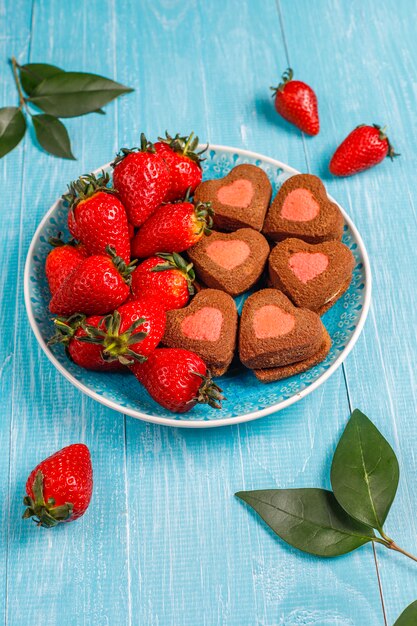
(362, 61)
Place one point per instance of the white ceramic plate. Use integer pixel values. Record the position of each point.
(247, 398)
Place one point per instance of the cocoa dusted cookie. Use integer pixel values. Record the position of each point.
(302, 209)
(239, 199)
(232, 262)
(274, 333)
(313, 276)
(207, 326)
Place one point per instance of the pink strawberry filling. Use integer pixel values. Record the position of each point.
(203, 325)
(308, 265)
(271, 321)
(300, 206)
(228, 254)
(239, 193)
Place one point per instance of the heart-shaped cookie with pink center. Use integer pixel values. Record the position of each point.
(302, 209)
(239, 199)
(232, 262)
(313, 276)
(274, 333)
(207, 326)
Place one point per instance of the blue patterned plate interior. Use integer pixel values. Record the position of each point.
(244, 393)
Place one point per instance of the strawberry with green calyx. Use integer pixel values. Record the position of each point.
(62, 260)
(173, 227)
(96, 216)
(296, 102)
(363, 148)
(184, 163)
(69, 333)
(177, 379)
(142, 180)
(97, 286)
(168, 277)
(59, 489)
(130, 333)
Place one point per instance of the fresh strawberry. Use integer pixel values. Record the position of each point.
(296, 102)
(97, 286)
(177, 379)
(62, 260)
(70, 332)
(96, 216)
(167, 277)
(59, 489)
(179, 153)
(142, 180)
(131, 333)
(173, 228)
(363, 148)
(131, 230)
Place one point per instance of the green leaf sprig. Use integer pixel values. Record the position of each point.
(364, 478)
(58, 94)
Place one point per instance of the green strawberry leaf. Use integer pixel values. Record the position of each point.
(12, 128)
(32, 74)
(52, 135)
(70, 94)
(364, 472)
(309, 519)
(409, 616)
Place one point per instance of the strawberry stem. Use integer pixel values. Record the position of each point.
(286, 77)
(45, 514)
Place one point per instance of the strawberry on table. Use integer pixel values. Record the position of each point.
(183, 160)
(131, 333)
(173, 228)
(59, 489)
(70, 332)
(177, 379)
(96, 216)
(296, 102)
(97, 286)
(62, 260)
(363, 148)
(168, 277)
(142, 180)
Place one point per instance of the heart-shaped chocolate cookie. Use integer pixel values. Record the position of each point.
(302, 209)
(313, 276)
(207, 326)
(232, 262)
(239, 199)
(275, 333)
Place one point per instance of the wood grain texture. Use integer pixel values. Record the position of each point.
(164, 542)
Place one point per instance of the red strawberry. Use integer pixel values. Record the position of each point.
(88, 355)
(62, 260)
(173, 228)
(59, 489)
(132, 332)
(98, 285)
(167, 277)
(96, 217)
(179, 153)
(363, 148)
(177, 379)
(296, 102)
(142, 179)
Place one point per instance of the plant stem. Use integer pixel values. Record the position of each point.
(393, 546)
(17, 81)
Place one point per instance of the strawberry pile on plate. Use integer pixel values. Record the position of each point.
(110, 307)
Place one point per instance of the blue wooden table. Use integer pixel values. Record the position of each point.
(164, 542)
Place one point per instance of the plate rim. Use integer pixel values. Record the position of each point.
(226, 421)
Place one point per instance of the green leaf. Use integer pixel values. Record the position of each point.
(309, 519)
(32, 74)
(12, 128)
(364, 472)
(52, 135)
(409, 616)
(71, 94)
